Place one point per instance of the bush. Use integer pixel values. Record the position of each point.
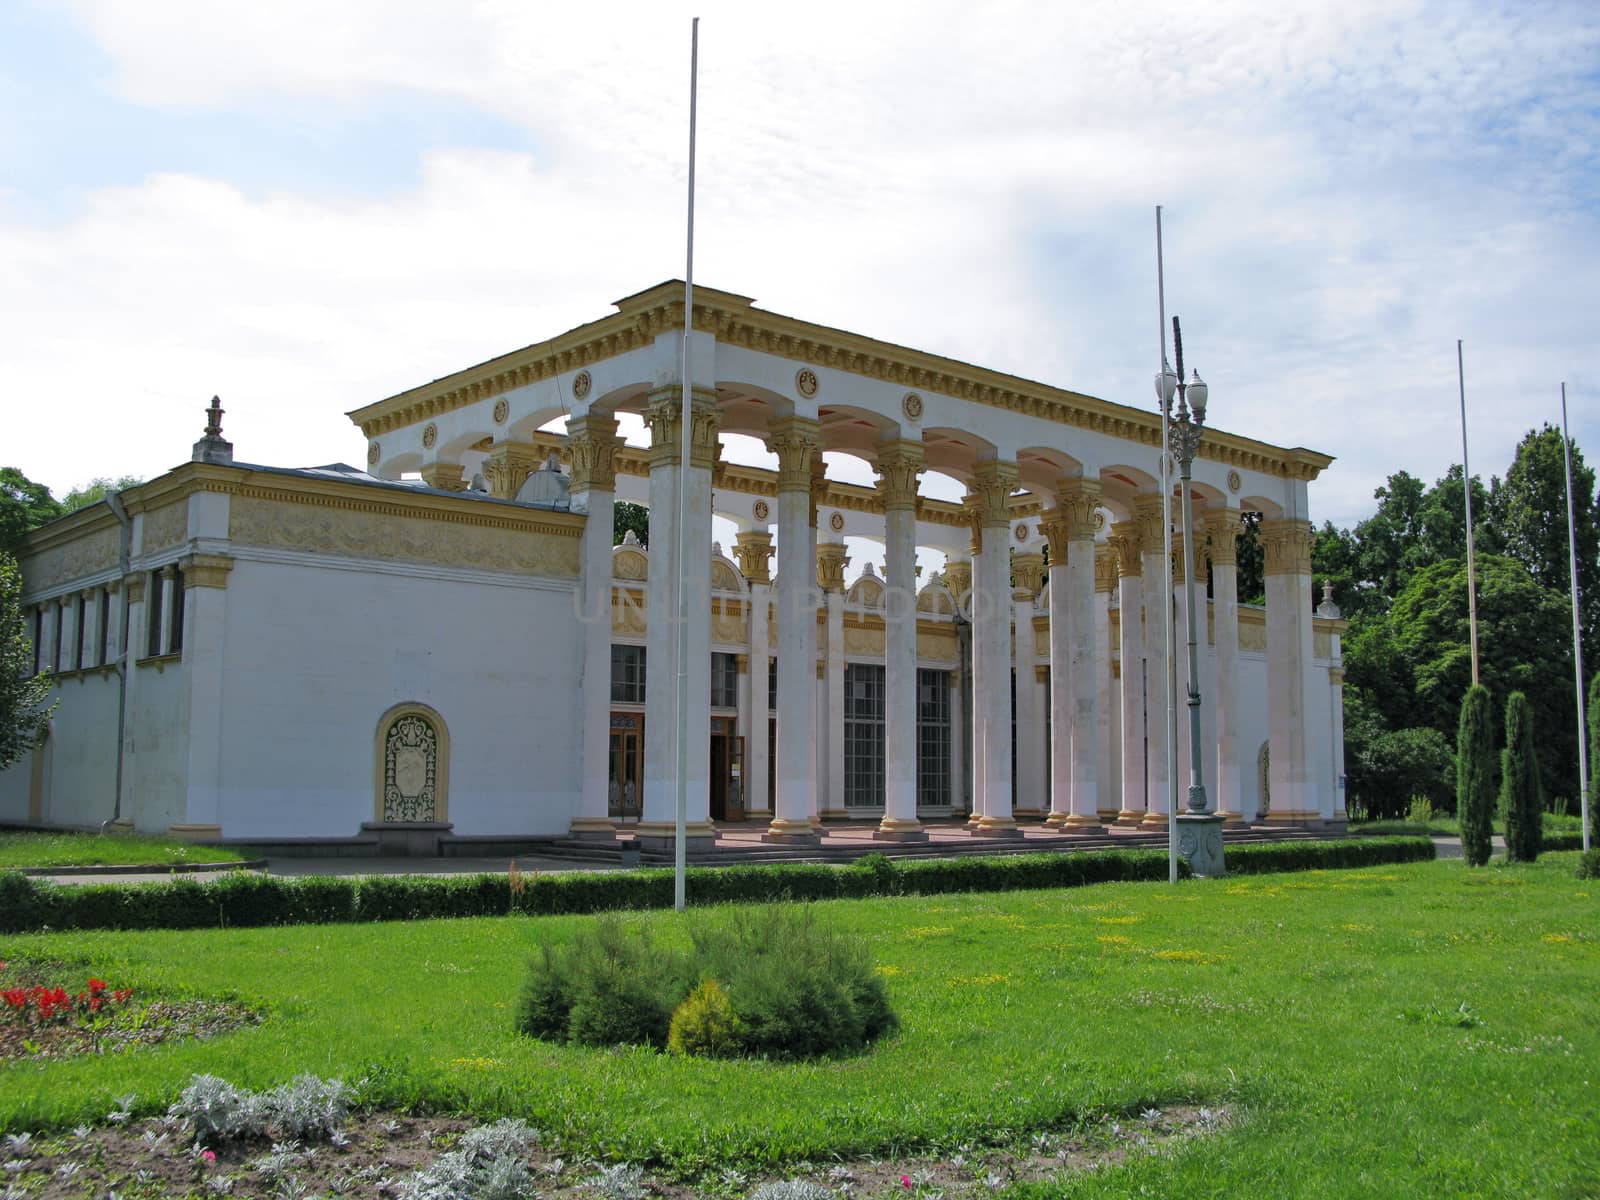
(1519, 783)
(771, 982)
(705, 1024)
(1475, 776)
(1589, 864)
(1270, 857)
(1421, 811)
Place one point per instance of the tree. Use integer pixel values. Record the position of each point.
(1252, 568)
(1519, 783)
(1396, 765)
(24, 505)
(1594, 744)
(1475, 776)
(1530, 511)
(631, 516)
(23, 707)
(95, 491)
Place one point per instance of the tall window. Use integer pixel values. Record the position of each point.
(152, 614)
(772, 685)
(55, 641)
(80, 633)
(38, 639)
(105, 626)
(863, 736)
(933, 738)
(175, 638)
(724, 681)
(627, 674)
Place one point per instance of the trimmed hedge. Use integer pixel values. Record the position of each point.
(1268, 857)
(241, 900)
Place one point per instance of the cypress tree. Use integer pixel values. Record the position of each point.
(1519, 783)
(1475, 776)
(1594, 744)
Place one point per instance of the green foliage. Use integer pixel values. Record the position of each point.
(1519, 783)
(630, 516)
(25, 705)
(96, 490)
(24, 505)
(37, 848)
(1589, 864)
(1270, 857)
(705, 1023)
(1393, 770)
(772, 983)
(1475, 776)
(1421, 810)
(1593, 717)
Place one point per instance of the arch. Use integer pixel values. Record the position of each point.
(412, 776)
(525, 425)
(393, 466)
(935, 598)
(955, 452)
(1270, 509)
(629, 560)
(856, 431)
(1041, 466)
(452, 449)
(866, 592)
(749, 408)
(725, 577)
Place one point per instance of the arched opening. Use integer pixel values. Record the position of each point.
(413, 765)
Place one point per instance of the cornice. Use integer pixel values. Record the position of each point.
(735, 321)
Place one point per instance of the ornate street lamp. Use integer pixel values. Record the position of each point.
(1200, 836)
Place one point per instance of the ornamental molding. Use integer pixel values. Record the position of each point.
(502, 411)
(592, 444)
(754, 551)
(1222, 528)
(1105, 568)
(899, 463)
(444, 477)
(663, 416)
(508, 466)
(911, 405)
(581, 383)
(1027, 572)
(1150, 519)
(958, 579)
(734, 321)
(1076, 502)
(796, 441)
(805, 382)
(832, 559)
(1286, 545)
(374, 452)
(430, 435)
(206, 570)
(1124, 540)
(990, 491)
(413, 765)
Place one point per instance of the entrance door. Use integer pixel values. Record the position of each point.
(727, 771)
(627, 766)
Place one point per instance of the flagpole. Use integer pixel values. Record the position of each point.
(1466, 491)
(1170, 670)
(685, 547)
(1577, 633)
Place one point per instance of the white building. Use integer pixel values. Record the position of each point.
(255, 653)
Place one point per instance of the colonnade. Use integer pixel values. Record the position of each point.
(1104, 724)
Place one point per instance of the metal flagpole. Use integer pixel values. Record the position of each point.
(1577, 633)
(1466, 491)
(684, 547)
(1170, 669)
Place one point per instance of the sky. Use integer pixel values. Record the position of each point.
(305, 207)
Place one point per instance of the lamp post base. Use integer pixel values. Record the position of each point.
(1200, 842)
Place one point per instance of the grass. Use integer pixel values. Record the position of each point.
(1423, 1030)
(1447, 825)
(29, 848)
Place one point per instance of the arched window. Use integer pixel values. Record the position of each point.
(413, 768)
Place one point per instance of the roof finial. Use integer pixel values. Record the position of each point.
(212, 447)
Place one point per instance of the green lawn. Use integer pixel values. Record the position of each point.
(1447, 825)
(1424, 1030)
(25, 848)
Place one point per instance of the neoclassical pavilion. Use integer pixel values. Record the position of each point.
(450, 647)
(1025, 680)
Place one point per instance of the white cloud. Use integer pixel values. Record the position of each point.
(1350, 186)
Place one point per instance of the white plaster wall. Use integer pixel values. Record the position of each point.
(315, 656)
(1252, 715)
(156, 761)
(83, 763)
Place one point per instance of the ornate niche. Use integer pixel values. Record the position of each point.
(413, 767)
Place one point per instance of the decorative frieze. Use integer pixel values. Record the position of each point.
(1286, 545)
(592, 444)
(754, 551)
(899, 464)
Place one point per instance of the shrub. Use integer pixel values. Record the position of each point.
(1475, 776)
(485, 1165)
(1271, 857)
(304, 1109)
(705, 1023)
(1589, 864)
(216, 1110)
(1421, 811)
(1594, 741)
(1519, 783)
(610, 985)
(793, 1189)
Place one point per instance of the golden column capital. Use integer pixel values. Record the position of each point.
(206, 570)
(663, 414)
(508, 466)
(443, 476)
(1076, 501)
(990, 492)
(1147, 516)
(754, 552)
(1286, 545)
(958, 578)
(1027, 570)
(1223, 526)
(796, 441)
(1124, 540)
(899, 463)
(832, 558)
(592, 445)
(1105, 567)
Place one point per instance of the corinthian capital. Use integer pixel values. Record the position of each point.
(899, 463)
(592, 443)
(1222, 536)
(796, 442)
(1287, 547)
(1124, 540)
(663, 414)
(992, 485)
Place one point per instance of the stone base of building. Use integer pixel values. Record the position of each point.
(1108, 816)
(1153, 820)
(120, 825)
(661, 837)
(1200, 842)
(1130, 818)
(407, 839)
(193, 833)
(784, 832)
(1082, 824)
(996, 827)
(892, 829)
(1028, 814)
(1298, 818)
(593, 829)
(1233, 820)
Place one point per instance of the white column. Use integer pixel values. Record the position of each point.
(592, 441)
(1074, 533)
(1222, 539)
(898, 465)
(795, 442)
(1287, 547)
(993, 484)
(47, 634)
(831, 563)
(169, 609)
(68, 606)
(1157, 576)
(205, 579)
(754, 550)
(114, 621)
(94, 618)
(1105, 580)
(1130, 601)
(1055, 526)
(958, 749)
(1333, 807)
(657, 827)
(1180, 626)
(958, 575)
(1032, 795)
